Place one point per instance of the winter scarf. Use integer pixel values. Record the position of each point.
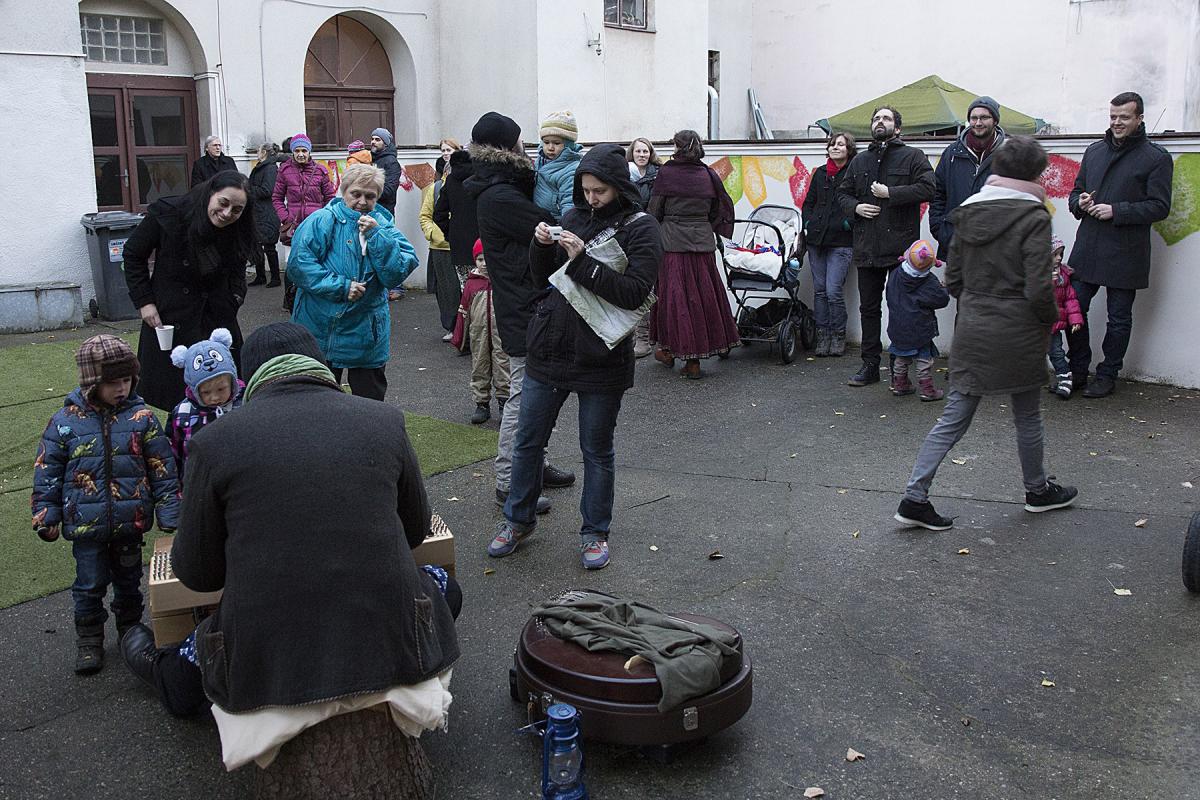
(286, 366)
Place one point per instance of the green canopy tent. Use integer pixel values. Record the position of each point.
(926, 106)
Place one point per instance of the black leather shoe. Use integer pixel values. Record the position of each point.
(259, 281)
(271, 284)
(482, 414)
(1101, 386)
(1078, 381)
(543, 502)
(555, 478)
(867, 374)
(140, 653)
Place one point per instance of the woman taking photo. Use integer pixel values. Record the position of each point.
(691, 319)
(344, 257)
(830, 244)
(565, 355)
(200, 243)
(262, 185)
(440, 275)
(301, 187)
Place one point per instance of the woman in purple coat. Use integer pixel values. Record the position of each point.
(301, 187)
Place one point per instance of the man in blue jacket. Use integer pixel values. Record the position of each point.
(964, 167)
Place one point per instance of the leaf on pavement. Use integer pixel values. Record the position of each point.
(653, 548)
(966, 551)
(1186, 484)
(715, 554)
(814, 791)
(1122, 592)
(1141, 523)
(1047, 682)
(855, 534)
(853, 755)
(959, 460)
(842, 491)
(489, 571)
(839, 413)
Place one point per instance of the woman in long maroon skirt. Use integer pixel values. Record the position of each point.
(691, 319)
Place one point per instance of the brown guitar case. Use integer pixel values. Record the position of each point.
(619, 705)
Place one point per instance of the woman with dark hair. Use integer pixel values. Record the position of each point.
(200, 243)
(262, 185)
(691, 319)
(440, 274)
(830, 244)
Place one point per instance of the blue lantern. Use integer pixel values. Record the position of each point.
(562, 758)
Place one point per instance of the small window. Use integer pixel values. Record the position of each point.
(631, 14)
(123, 40)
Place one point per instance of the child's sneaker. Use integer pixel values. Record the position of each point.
(1063, 387)
(1050, 498)
(595, 554)
(922, 515)
(89, 644)
(901, 385)
(508, 536)
(482, 414)
(929, 392)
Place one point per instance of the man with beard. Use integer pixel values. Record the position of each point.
(1123, 186)
(883, 191)
(964, 167)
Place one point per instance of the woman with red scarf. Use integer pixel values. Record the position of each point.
(830, 244)
(691, 319)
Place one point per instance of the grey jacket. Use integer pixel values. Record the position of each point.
(687, 657)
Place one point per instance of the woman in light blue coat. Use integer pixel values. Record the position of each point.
(344, 257)
(557, 160)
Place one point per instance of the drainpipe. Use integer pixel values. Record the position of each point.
(714, 114)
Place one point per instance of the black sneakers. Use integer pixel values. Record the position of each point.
(1101, 386)
(482, 414)
(922, 515)
(868, 373)
(555, 478)
(1050, 498)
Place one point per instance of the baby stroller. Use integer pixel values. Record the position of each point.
(762, 261)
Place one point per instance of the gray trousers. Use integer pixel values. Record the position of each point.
(956, 418)
(508, 423)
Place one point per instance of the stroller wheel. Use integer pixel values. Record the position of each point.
(787, 342)
(808, 328)
(1191, 555)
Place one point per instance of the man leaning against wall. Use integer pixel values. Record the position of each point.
(1123, 187)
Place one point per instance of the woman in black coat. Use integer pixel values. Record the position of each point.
(565, 355)
(454, 212)
(266, 221)
(200, 243)
(830, 242)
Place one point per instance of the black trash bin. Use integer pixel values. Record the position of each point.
(106, 235)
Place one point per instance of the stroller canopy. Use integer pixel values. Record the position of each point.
(926, 106)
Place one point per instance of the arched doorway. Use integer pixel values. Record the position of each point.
(348, 89)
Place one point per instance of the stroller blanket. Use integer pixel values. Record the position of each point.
(759, 260)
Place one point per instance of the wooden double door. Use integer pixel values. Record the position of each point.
(144, 138)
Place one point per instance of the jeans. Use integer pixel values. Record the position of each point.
(98, 564)
(597, 422)
(1056, 354)
(953, 423)
(871, 283)
(1116, 336)
(829, 267)
(364, 381)
(508, 423)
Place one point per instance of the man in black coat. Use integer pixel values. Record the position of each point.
(383, 155)
(212, 162)
(883, 191)
(506, 215)
(964, 167)
(1123, 187)
(322, 598)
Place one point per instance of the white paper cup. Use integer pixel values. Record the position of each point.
(166, 335)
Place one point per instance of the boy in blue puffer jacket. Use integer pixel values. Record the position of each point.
(102, 468)
(557, 160)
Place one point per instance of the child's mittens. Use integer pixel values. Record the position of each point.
(48, 533)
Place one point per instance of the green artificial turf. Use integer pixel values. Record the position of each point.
(35, 378)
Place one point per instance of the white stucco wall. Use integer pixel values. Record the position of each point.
(36, 73)
(1051, 59)
(730, 28)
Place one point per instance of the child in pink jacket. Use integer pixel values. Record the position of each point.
(1069, 317)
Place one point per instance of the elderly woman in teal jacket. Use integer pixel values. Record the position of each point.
(344, 257)
(557, 160)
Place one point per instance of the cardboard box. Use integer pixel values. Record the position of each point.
(176, 610)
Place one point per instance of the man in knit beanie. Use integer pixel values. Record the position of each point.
(276, 339)
(965, 167)
(383, 155)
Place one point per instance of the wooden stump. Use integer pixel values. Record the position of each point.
(359, 755)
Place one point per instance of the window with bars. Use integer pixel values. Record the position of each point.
(632, 14)
(123, 40)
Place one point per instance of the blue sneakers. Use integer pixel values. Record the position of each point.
(506, 539)
(595, 554)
